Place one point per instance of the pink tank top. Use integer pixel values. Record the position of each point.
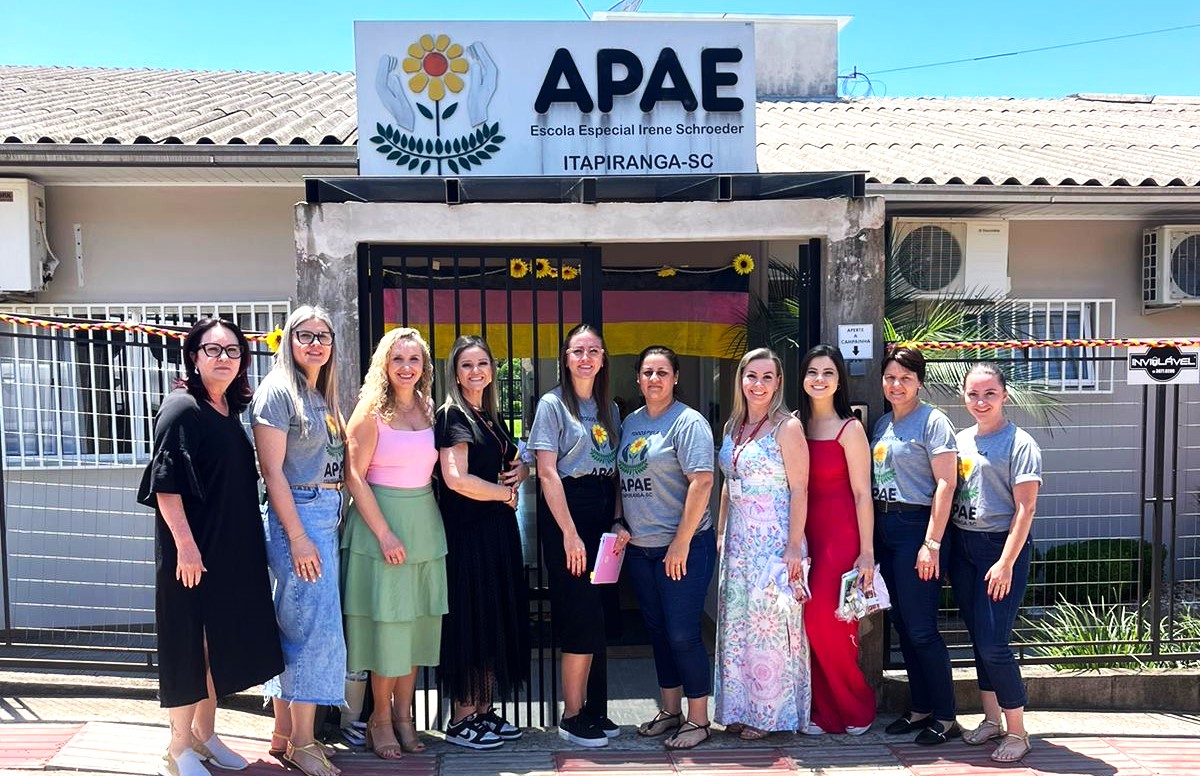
(403, 459)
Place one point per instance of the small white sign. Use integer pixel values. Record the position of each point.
(856, 340)
(1164, 365)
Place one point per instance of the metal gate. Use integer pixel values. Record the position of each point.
(522, 299)
(1115, 578)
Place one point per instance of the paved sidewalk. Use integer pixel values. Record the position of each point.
(108, 729)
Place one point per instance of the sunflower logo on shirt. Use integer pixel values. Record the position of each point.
(881, 457)
(633, 459)
(968, 488)
(602, 450)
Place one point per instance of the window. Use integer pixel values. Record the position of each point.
(1066, 369)
(88, 398)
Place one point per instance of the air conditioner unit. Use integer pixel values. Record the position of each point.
(1170, 266)
(23, 255)
(966, 257)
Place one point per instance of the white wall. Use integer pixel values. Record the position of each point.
(177, 243)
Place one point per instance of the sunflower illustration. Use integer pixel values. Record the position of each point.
(638, 446)
(518, 268)
(966, 465)
(743, 264)
(879, 453)
(273, 339)
(544, 269)
(436, 64)
(569, 272)
(599, 435)
(666, 272)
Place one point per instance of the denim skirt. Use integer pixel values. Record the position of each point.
(309, 613)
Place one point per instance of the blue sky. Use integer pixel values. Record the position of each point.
(884, 34)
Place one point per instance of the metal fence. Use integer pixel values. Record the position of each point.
(1115, 577)
(77, 410)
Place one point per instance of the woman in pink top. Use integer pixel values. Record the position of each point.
(394, 547)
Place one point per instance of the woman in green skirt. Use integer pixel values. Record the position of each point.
(394, 546)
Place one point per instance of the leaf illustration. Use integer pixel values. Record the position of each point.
(413, 164)
(449, 111)
(497, 138)
(457, 146)
(475, 157)
(379, 128)
(425, 111)
(376, 139)
(425, 166)
(437, 146)
(420, 145)
(491, 147)
(464, 163)
(404, 141)
(393, 155)
(403, 160)
(452, 165)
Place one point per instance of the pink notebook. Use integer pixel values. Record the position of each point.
(607, 567)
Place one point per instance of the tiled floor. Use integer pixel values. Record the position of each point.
(123, 748)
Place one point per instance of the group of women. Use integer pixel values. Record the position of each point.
(426, 568)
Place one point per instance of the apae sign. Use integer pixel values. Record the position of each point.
(1163, 365)
(555, 98)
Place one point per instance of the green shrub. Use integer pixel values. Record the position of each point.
(1102, 630)
(1092, 570)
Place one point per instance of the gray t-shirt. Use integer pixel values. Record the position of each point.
(309, 460)
(989, 466)
(654, 459)
(902, 454)
(583, 445)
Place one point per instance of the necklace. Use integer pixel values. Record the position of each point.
(487, 423)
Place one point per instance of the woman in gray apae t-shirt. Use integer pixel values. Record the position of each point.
(999, 474)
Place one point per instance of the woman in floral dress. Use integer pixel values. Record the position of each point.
(763, 682)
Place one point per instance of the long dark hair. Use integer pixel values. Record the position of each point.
(600, 390)
(841, 397)
(238, 394)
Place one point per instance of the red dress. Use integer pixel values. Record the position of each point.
(841, 696)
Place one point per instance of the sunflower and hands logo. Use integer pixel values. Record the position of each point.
(438, 70)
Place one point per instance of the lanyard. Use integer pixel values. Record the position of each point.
(739, 446)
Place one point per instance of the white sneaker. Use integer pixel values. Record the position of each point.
(216, 753)
(186, 764)
(856, 730)
(813, 729)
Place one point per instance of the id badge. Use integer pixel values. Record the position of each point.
(735, 488)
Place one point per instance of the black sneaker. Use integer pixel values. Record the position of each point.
(607, 726)
(499, 725)
(581, 730)
(472, 733)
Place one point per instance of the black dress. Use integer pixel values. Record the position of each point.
(486, 633)
(207, 459)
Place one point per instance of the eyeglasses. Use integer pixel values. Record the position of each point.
(213, 350)
(589, 352)
(309, 337)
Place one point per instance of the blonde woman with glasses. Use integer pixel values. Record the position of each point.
(299, 433)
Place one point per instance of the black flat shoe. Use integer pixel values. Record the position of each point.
(905, 724)
(937, 734)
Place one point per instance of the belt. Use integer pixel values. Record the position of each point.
(898, 506)
(326, 485)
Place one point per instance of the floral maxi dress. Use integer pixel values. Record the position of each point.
(762, 665)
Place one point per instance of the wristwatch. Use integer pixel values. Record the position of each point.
(932, 544)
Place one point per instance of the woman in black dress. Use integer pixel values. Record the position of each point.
(216, 624)
(485, 637)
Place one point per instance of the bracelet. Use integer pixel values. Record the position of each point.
(932, 544)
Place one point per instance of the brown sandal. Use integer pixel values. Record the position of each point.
(310, 760)
(753, 734)
(378, 734)
(406, 732)
(1011, 749)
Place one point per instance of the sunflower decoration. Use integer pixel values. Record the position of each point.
(518, 268)
(544, 269)
(879, 453)
(599, 435)
(570, 272)
(638, 445)
(273, 339)
(435, 64)
(743, 263)
(966, 465)
(666, 272)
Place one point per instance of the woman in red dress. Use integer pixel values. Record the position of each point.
(839, 534)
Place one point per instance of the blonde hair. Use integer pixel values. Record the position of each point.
(295, 381)
(740, 411)
(377, 392)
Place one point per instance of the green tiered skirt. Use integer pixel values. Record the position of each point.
(393, 613)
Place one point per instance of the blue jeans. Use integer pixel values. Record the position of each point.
(672, 611)
(898, 537)
(989, 622)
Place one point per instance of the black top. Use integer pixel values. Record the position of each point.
(490, 450)
(207, 459)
